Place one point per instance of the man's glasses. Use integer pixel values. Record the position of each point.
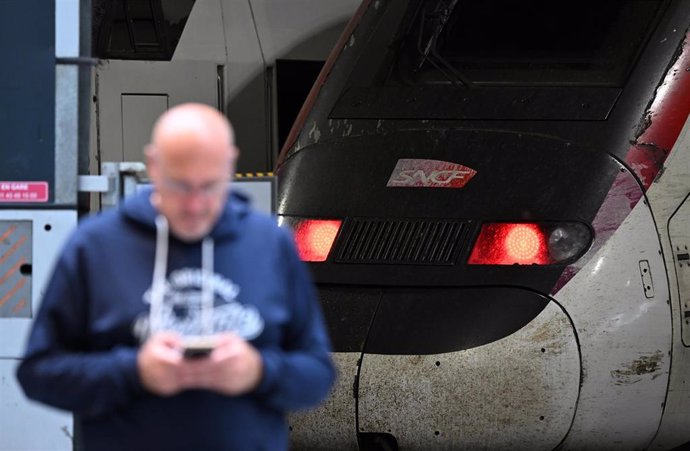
(180, 188)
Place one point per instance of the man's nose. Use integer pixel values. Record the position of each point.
(194, 201)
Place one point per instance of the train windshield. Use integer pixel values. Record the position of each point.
(537, 42)
(461, 59)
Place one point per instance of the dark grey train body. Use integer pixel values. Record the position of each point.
(435, 131)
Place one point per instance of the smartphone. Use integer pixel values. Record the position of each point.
(198, 346)
(196, 352)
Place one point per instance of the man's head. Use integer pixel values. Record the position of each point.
(190, 159)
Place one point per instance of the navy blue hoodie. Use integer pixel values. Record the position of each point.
(82, 350)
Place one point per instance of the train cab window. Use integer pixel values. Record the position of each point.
(531, 42)
(498, 59)
(138, 29)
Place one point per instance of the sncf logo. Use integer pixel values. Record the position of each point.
(414, 173)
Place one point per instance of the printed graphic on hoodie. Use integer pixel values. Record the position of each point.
(181, 310)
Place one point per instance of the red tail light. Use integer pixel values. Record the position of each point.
(529, 244)
(315, 237)
(525, 243)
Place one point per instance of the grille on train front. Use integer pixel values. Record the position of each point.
(400, 241)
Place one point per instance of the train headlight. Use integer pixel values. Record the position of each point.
(314, 238)
(529, 243)
(567, 241)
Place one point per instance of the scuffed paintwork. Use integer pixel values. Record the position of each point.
(314, 133)
(659, 127)
(543, 336)
(646, 159)
(331, 74)
(619, 202)
(621, 199)
(331, 425)
(642, 126)
(634, 371)
(617, 327)
(665, 196)
(519, 392)
(346, 128)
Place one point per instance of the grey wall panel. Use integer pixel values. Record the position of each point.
(27, 92)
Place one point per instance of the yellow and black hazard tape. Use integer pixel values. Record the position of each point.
(248, 175)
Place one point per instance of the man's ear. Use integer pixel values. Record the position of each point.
(151, 161)
(234, 154)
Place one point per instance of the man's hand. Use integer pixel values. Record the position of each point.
(161, 365)
(233, 368)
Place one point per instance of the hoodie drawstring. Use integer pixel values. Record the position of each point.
(206, 288)
(158, 284)
(160, 267)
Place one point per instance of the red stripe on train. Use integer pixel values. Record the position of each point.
(663, 121)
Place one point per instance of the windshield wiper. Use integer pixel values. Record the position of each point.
(426, 45)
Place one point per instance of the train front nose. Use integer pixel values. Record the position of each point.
(484, 368)
(449, 368)
(442, 343)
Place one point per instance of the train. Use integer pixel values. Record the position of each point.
(492, 197)
(493, 200)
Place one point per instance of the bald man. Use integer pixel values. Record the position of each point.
(192, 151)
(184, 320)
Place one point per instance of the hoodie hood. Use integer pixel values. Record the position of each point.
(139, 209)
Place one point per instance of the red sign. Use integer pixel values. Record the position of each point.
(416, 173)
(23, 191)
